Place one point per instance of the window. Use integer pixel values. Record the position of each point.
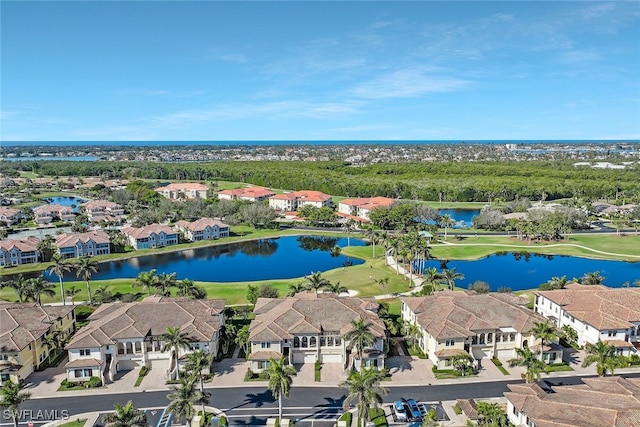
(265, 345)
(450, 343)
(82, 373)
(263, 364)
(512, 336)
(85, 352)
(305, 342)
(296, 342)
(612, 333)
(4, 357)
(312, 342)
(489, 337)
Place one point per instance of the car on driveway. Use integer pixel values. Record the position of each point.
(414, 411)
(399, 411)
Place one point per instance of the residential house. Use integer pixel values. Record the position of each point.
(19, 251)
(251, 194)
(483, 326)
(9, 216)
(203, 229)
(123, 336)
(103, 210)
(183, 190)
(311, 327)
(23, 330)
(599, 402)
(596, 313)
(151, 236)
(359, 209)
(292, 201)
(76, 245)
(53, 212)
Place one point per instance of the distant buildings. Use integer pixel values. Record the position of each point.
(596, 313)
(183, 190)
(103, 210)
(251, 194)
(48, 213)
(76, 245)
(291, 202)
(23, 330)
(151, 236)
(203, 229)
(19, 251)
(359, 209)
(10, 216)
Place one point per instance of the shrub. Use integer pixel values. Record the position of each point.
(318, 370)
(93, 382)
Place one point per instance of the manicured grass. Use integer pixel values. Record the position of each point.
(143, 373)
(75, 423)
(559, 367)
(376, 415)
(498, 364)
(346, 417)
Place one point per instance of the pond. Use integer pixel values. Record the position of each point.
(462, 217)
(265, 259)
(68, 201)
(520, 271)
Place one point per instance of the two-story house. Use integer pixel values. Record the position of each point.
(596, 313)
(359, 209)
(151, 236)
(103, 210)
(19, 251)
(76, 245)
(9, 216)
(23, 330)
(203, 229)
(292, 201)
(251, 194)
(311, 327)
(183, 190)
(482, 326)
(53, 212)
(123, 336)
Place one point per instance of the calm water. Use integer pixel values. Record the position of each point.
(462, 217)
(527, 271)
(280, 258)
(66, 201)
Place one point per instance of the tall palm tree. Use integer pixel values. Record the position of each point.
(545, 331)
(446, 221)
(38, 286)
(196, 362)
(451, 275)
(412, 331)
(347, 228)
(126, 416)
(280, 379)
(296, 288)
(85, 267)
(228, 333)
(146, 280)
(188, 288)
(364, 387)
(336, 288)
(432, 277)
(12, 399)
(71, 292)
(603, 355)
(59, 267)
(592, 278)
(373, 235)
(164, 283)
(316, 281)
(174, 340)
(54, 342)
(360, 336)
(20, 285)
(102, 295)
(527, 358)
(183, 398)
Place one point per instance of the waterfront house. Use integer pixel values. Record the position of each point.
(19, 251)
(76, 245)
(292, 201)
(599, 402)
(23, 330)
(53, 212)
(9, 216)
(203, 229)
(251, 194)
(596, 313)
(103, 210)
(359, 209)
(482, 326)
(151, 236)
(124, 336)
(183, 190)
(310, 327)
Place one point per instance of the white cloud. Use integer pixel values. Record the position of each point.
(579, 56)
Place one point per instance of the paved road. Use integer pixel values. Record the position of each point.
(255, 405)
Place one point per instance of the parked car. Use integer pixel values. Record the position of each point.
(414, 412)
(399, 411)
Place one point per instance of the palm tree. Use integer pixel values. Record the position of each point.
(412, 331)
(360, 336)
(451, 275)
(102, 295)
(188, 288)
(296, 288)
(347, 228)
(603, 355)
(126, 416)
(174, 340)
(164, 283)
(280, 379)
(59, 267)
(364, 387)
(527, 358)
(20, 285)
(196, 362)
(146, 280)
(12, 398)
(335, 251)
(383, 283)
(545, 331)
(593, 278)
(183, 398)
(228, 333)
(446, 221)
(316, 281)
(336, 288)
(85, 267)
(54, 342)
(432, 277)
(373, 236)
(71, 293)
(37, 287)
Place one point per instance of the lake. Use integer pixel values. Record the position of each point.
(265, 259)
(462, 217)
(68, 201)
(520, 271)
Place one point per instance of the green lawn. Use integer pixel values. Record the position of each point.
(75, 423)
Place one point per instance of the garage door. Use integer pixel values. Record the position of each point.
(127, 365)
(505, 354)
(332, 358)
(298, 358)
(309, 358)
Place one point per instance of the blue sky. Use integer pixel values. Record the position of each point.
(208, 70)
